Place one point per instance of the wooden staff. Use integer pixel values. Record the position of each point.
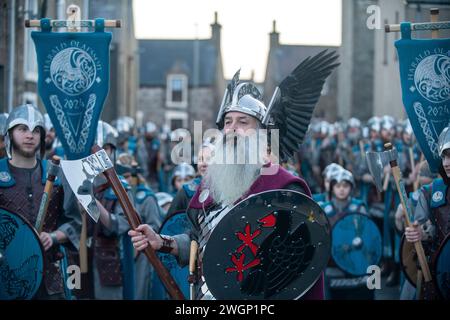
(76, 24)
(134, 221)
(192, 261)
(406, 211)
(422, 26)
(434, 12)
(51, 176)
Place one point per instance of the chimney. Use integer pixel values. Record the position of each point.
(274, 35)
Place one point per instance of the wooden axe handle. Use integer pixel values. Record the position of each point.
(402, 193)
(42, 213)
(193, 256)
(134, 221)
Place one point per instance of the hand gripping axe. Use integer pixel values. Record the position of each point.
(80, 175)
(376, 162)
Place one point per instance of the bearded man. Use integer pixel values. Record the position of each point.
(241, 165)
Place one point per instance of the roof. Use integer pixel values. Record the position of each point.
(287, 57)
(159, 57)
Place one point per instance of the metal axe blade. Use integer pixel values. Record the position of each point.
(376, 166)
(376, 161)
(80, 175)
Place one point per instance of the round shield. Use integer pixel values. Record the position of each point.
(409, 260)
(442, 269)
(272, 245)
(177, 223)
(355, 244)
(21, 258)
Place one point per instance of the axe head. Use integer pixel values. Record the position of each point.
(80, 175)
(376, 161)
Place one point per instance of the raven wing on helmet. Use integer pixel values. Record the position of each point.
(293, 102)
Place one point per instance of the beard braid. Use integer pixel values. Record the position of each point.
(227, 182)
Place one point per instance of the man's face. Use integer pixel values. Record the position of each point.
(239, 123)
(24, 141)
(49, 138)
(446, 161)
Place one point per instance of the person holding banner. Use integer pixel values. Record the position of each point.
(432, 213)
(23, 176)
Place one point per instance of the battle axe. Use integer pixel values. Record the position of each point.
(376, 162)
(80, 175)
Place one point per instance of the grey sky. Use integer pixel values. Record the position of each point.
(245, 26)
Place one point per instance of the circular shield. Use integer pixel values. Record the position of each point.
(409, 260)
(356, 244)
(21, 258)
(272, 245)
(176, 223)
(442, 269)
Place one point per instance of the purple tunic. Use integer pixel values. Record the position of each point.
(279, 180)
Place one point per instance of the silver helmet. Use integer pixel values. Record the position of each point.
(387, 122)
(241, 97)
(343, 175)
(3, 119)
(47, 122)
(354, 123)
(374, 124)
(150, 127)
(183, 170)
(106, 134)
(330, 170)
(444, 140)
(27, 115)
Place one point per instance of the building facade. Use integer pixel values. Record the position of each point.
(369, 78)
(181, 81)
(282, 59)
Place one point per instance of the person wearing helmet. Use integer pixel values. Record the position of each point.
(153, 162)
(50, 136)
(3, 118)
(341, 204)
(328, 173)
(186, 192)
(105, 237)
(22, 179)
(183, 173)
(150, 212)
(432, 213)
(164, 201)
(242, 112)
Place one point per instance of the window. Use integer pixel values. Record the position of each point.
(29, 55)
(177, 90)
(176, 119)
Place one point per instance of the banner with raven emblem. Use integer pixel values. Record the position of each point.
(73, 82)
(425, 79)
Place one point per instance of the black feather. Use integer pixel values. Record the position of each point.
(299, 93)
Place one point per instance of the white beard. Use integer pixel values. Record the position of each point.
(229, 182)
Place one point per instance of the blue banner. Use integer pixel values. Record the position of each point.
(73, 82)
(425, 79)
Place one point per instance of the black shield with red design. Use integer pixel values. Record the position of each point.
(272, 245)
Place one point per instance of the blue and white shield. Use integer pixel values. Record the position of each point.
(21, 258)
(177, 223)
(355, 244)
(73, 82)
(425, 78)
